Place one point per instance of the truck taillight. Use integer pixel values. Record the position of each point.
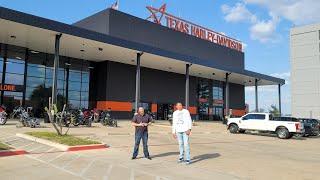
(298, 126)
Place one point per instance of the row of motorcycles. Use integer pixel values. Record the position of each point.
(25, 119)
(85, 117)
(65, 117)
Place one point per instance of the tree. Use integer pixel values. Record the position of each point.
(56, 117)
(274, 111)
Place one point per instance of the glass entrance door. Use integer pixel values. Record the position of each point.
(217, 113)
(163, 111)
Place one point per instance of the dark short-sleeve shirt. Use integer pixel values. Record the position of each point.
(141, 119)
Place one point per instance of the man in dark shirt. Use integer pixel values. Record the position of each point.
(141, 121)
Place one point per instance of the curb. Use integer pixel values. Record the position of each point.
(12, 152)
(63, 147)
(87, 147)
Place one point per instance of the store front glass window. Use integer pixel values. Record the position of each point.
(14, 74)
(217, 100)
(78, 91)
(72, 73)
(37, 94)
(203, 99)
(1, 60)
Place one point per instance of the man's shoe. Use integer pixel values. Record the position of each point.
(149, 158)
(180, 160)
(188, 162)
(133, 158)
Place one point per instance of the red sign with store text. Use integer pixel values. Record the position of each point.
(160, 16)
(11, 87)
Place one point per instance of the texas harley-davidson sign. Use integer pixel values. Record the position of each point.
(160, 16)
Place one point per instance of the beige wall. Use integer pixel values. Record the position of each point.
(305, 71)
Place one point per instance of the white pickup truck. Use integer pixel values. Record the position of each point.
(284, 127)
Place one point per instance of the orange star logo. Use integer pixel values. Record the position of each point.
(157, 14)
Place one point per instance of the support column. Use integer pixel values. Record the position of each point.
(137, 98)
(279, 96)
(256, 94)
(25, 77)
(227, 94)
(55, 68)
(187, 87)
(67, 82)
(4, 69)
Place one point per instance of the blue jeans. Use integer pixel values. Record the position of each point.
(138, 136)
(184, 147)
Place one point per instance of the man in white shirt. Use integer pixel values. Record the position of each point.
(181, 130)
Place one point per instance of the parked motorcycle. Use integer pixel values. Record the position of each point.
(96, 115)
(24, 117)
(79, 117)
(64, 117)
(3, 115)
(106, 120)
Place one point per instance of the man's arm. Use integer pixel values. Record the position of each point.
(149, 121)
(134, 122)
(174, 120)
(189, 123)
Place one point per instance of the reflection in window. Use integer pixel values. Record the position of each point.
(74, 95)
(16, 79)
(203, 99)
(74, 86)
(40, 78)
(75, 76)
(12, 99)
(217, 99)
(36, 71)
(34, 81)
(15, 67)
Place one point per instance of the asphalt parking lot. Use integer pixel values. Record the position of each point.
(216, 154)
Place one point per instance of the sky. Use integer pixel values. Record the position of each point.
(262, 25)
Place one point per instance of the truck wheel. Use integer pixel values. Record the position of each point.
(283, 133)
(233, 128)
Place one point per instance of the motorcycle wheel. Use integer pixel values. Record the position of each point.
(67, 121)
(89, 122)
(75, 120)
(114, 123)
(3, 121)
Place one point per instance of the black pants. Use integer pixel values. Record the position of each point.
(138, 136)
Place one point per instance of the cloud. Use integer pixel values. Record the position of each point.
(238, 13)
(265, 31)
(299, 12)
(261, 30)
(285, 75)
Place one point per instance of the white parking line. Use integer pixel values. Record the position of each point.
(26, 145)
(57, 167)
(106, 177)
(49, 150)
(7, 137)
(57, 157)
(67, 164)
(12, 140)
(36, 148)
(132, 174)
(142, 172)
(84, 170)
